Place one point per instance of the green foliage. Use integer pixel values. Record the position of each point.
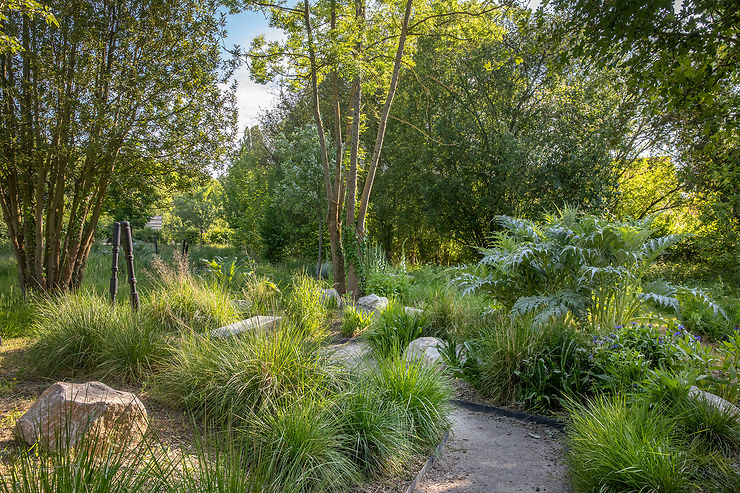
(377, 428)
(614, 447)
(701, 319)
(421, 391)
(229, 274)
(85, 334)
(394, 329)
(261, 294)
(539, 368)
(198, 208)
(180, 301)
(227, 380)
(355, 321)
(301, 448)
(659, 439)
(305, 308)
(576, 266)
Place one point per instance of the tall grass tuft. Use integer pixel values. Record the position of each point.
(394, 329)
(226, 380)
(616, 447)
(423, 393)
(377, 428)
(180, 301)
(355, 321)
(300, 448)
(81, 333)
(305, 309)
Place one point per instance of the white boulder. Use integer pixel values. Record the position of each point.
(372, 303)
(330, 294)
(254, 323)
(425, 349)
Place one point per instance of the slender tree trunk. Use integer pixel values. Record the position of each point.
(353, 280)
(321, 229)
(333, 220)
(364, 201)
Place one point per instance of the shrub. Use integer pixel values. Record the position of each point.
(85, 333)
(557, 370)
(355, 321)
(305, 309)
(394, 329)
(539, 367)
(225, 380)
(180, 301)
(702, 319)
(576, 265)
(387, 282)
(421, 391)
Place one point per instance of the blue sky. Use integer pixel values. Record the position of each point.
(251, 97)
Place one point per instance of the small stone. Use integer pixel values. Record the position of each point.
(66, 412)
(254, 323)
(533, 435)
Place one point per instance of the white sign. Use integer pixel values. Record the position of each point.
(155, 222)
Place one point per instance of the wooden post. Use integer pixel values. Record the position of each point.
(114, 267)
(128, 248)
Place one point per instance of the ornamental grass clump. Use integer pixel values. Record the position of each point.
(377, 428)
(300, 448)
(226, 379)
(421, 391)
(180, 301)
(84, 334)
(305, 309)
(394, 329)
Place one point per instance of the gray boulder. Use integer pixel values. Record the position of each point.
(67, 412)
(254, 323)
(327, 295)
(425, 349)
(714, 400)
(411, 311)
(372, 303)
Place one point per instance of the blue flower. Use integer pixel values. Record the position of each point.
(614, 346)
(698, 338)
(634, 385)
(633, 323)
(619, 327)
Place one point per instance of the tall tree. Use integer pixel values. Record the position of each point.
(121, 87)
(355, 52)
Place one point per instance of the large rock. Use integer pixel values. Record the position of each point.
(714, 400)
(66, 412)
(425, 349)
(254, 323)
(372, 303)
(330, 296)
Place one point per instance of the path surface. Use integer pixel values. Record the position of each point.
(495, 454)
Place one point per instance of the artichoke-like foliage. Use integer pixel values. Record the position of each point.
(575, 265)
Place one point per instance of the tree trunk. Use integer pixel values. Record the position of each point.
(318, 268)
(364, 201)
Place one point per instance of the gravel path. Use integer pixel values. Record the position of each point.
(497, 454)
